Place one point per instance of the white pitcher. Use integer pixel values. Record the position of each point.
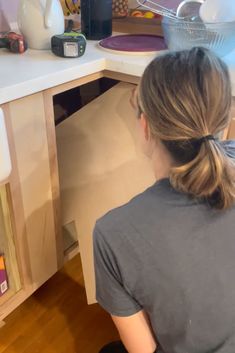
(39, 20)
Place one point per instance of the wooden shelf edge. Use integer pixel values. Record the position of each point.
(8, 304)
(121, 77)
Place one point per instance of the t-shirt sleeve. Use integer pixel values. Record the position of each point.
(111, 293)
(229, 146)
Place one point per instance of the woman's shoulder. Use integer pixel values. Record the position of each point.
(118, 216)
(137, 210)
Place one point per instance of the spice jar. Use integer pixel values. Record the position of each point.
(120, 8)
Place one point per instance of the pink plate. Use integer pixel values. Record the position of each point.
(134, 43)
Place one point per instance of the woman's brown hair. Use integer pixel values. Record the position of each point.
(186, 97)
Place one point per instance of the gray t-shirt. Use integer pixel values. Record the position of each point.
(174, 257)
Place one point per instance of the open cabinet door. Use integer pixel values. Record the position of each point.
(100, 166)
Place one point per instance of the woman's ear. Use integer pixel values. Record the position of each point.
(147, 144)
(145, 126)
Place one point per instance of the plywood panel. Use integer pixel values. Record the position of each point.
(52, 154)
(100, 166)
(30, 137)
(14, 209)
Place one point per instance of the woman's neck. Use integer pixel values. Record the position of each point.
(161, 161)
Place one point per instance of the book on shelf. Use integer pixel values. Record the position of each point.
(3, 276)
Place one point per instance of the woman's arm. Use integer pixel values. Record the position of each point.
(136, 333)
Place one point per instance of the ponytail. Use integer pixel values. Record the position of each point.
(186, 95)
(210, 176)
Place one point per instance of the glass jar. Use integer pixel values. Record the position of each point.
(120, 8)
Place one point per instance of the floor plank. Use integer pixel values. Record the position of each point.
(57, 319)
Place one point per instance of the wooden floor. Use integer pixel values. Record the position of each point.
(57, 319)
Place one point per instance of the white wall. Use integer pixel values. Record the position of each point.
(9, 8)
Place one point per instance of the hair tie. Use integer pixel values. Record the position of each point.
(206, 138)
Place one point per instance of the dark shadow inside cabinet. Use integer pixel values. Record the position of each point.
(67, 103)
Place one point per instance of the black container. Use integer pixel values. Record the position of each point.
(96, 18)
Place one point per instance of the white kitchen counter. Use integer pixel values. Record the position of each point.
(34, 71)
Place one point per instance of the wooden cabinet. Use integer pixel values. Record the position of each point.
(34, 247)
(30, 196)
(31, 146)
(31, 193)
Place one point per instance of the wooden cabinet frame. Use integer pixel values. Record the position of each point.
(9, 302)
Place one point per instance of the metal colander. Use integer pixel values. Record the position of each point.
(181, 34)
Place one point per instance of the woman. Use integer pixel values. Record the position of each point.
(165, 261)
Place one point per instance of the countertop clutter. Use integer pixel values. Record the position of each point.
(35, 70)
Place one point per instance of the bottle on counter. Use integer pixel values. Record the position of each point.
(96, 18)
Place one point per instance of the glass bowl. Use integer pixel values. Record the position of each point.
(181, 34)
